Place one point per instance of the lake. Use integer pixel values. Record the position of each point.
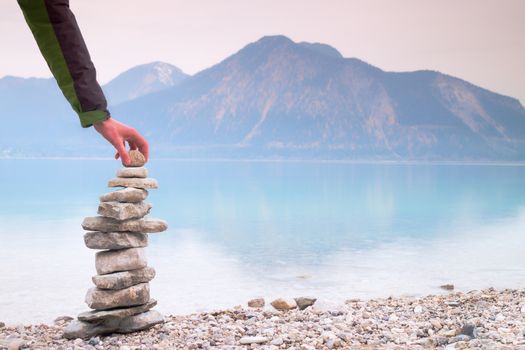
(241, 229)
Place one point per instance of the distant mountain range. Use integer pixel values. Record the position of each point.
(142, 80)
(38, 121)
(277, 99)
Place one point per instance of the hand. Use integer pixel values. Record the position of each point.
(118, 134)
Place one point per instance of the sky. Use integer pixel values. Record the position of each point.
(481, 41)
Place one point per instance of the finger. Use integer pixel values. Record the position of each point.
(121, 149)
(143, 148)
(140, 142)
(132, 145)
(117, 156)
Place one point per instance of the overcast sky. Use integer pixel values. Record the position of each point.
(482, 41)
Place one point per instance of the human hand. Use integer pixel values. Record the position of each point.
(118, 134)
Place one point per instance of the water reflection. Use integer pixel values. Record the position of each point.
(470, 259)
(240, 230)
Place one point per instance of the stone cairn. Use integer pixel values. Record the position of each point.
(120, 300)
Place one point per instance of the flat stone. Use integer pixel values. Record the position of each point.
(103, 299)
(124, 211)
(133, 182)
(453, 303)
(304, 302)
(127, 195)
(109, 261)
(120, 313)
(284, 304)
(124, 279)
(86, 330)
(115, 240)
(140, 322)
(100, 223)
(137, 159)
(133, 172)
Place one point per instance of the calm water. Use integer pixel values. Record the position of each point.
(245, 229)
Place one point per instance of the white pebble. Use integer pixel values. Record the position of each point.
(253, 340)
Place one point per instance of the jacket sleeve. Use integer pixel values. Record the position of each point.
(59, 39)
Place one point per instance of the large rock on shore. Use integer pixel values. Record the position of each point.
(133, 172)
(85, 330)
(284, 304)
(115, 240)
(109, 261)
(124, 279)
(256, 303)
(100, 223)
(304, 302)
(133, 182)
(123, 211)
(127, 195)
(120, 313)
(102, 299)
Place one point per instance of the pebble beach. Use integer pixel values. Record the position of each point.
(484, 319)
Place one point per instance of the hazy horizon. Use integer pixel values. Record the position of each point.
(478, 42)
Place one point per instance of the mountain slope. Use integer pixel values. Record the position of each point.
(38, 121)
(142, 80)
(278, 98)
(31, 111)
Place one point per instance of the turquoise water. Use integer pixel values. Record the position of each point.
(244, 229)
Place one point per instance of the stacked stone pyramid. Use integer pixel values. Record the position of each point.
(120, 300)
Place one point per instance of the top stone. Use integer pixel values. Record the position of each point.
(133, 172)
(137, 159)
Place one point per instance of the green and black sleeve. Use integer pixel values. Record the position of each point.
(57, 34)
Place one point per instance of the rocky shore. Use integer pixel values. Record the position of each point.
(486, 319)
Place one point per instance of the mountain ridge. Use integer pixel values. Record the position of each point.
(142, 80)
(275, 98)
(367, 96)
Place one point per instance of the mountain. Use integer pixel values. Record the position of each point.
(31, 111)
(142, 80)
(322, 49)
(38, 121)
(277, 98)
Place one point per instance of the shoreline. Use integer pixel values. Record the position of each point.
(487, 319)
(294, 160)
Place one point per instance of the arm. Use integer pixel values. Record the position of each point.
(59, 39)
